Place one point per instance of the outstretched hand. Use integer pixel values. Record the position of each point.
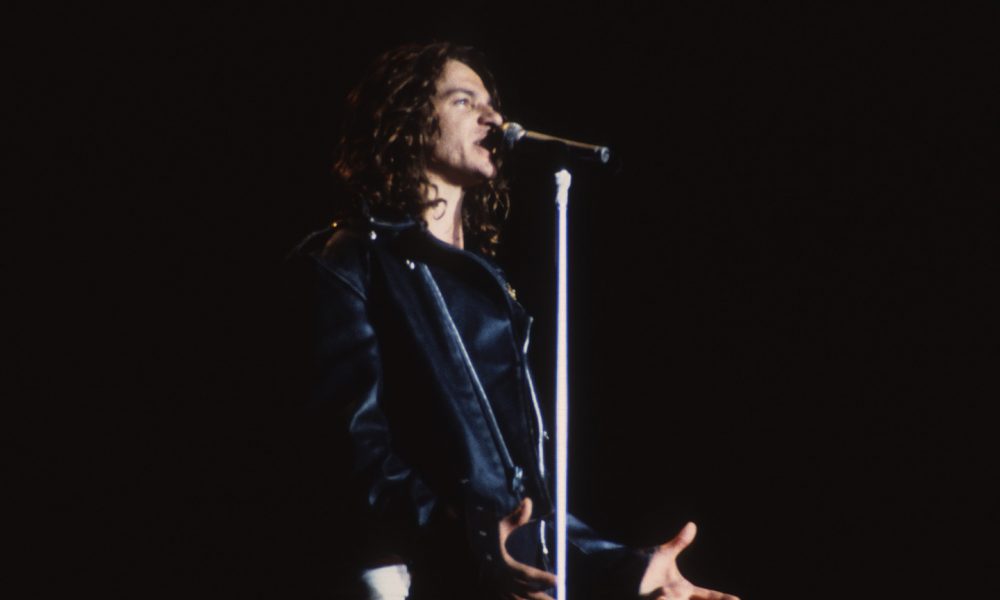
(663, 581)
(521, 581)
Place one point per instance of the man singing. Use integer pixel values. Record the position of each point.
(421, 348)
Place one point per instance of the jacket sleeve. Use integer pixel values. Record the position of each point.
(395, 504)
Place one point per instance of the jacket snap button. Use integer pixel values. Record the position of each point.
(372, 235)
(489, 557)
(410, 264)
(482, 533)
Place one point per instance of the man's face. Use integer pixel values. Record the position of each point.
(465, 116)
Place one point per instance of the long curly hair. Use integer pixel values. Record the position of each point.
(389, 129)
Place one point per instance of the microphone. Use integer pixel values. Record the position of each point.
(516, 136)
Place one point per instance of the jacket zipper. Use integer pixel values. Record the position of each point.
(515, 472)
(534, 401)
(524, 359)
(540, 429)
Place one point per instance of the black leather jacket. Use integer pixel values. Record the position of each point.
(424, 348)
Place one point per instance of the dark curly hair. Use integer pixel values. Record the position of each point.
(388, 131)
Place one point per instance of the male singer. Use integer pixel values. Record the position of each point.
(421, 347)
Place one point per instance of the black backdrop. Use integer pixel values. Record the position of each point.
(783, 314)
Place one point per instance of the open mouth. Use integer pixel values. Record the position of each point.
(491, 142)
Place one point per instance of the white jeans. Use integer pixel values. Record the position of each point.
(387, 583)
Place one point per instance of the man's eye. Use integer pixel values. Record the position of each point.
(463, 102)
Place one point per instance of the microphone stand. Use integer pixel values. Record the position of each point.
(563, 180)
(565, 150)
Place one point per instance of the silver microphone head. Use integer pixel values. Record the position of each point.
(511, 133)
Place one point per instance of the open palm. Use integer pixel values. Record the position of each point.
(663, 580)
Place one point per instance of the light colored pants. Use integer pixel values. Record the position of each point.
(387, 583)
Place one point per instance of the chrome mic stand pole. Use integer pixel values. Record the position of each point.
(563, 180)
(512, 134)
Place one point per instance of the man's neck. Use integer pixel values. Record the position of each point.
(444, 218)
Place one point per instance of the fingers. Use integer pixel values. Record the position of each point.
(530, 588)
(682, 540)
(696, 593)
(706, 594)
(524, 580)
(529, 596)
(519, 516)
(526, 577)
(657, 594)
(530, 577)
(523, 512)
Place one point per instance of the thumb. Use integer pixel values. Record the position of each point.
(523, 512)
(682, 540)
(519, 516)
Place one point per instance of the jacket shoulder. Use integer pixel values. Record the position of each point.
(340, 250)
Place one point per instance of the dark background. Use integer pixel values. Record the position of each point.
(783, 314)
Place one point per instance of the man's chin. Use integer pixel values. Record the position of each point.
(481, 177)
(490, 173)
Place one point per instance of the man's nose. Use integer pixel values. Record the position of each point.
(489, 116)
